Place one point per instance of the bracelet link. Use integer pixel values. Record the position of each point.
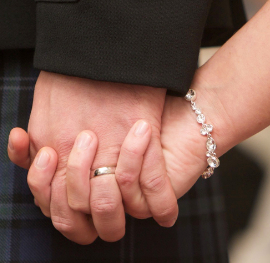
(212, 160)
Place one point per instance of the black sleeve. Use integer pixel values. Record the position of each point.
(17, 24)
(147, 42)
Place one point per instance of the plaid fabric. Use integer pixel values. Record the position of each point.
(27, 236)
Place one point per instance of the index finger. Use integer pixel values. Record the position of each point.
(156, 185)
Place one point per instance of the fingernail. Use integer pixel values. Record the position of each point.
(43, 159)
(142, 128)
(169, 223)
(10, 145)
(83, 141)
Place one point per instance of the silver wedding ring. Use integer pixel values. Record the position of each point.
(104, 170)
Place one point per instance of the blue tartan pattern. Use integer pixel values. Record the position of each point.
(27, 236)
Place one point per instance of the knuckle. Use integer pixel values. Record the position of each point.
(34, 184)
(125, 178)
(137, 210)
(73, 167)
(167, 213)
(132, 151)
(155, 183)
(63, 225)
(78, 206)
(103, 206)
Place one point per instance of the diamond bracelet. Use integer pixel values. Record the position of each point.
(206, 129)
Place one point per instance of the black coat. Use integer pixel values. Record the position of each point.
(148, 42)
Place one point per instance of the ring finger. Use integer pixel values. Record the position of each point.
(106, 207)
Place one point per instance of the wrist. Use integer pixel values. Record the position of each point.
(210, 100)
(108, 100)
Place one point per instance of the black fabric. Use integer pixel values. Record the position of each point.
(148, 42)
(225, 18)
(145, 42)
(27, 236)
(17, 24)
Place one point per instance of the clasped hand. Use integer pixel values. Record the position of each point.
(78, 125)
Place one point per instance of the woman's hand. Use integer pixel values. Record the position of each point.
(64, 106)
(234, 96)
(182, 145)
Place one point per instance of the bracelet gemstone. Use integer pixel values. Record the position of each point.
(206, 129)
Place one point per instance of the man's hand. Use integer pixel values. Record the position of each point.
(64, 106)
(183, 147)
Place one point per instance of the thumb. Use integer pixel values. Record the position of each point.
(18, 148)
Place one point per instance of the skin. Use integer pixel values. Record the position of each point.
(182, 174)
(64, 106)
(233, 93)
